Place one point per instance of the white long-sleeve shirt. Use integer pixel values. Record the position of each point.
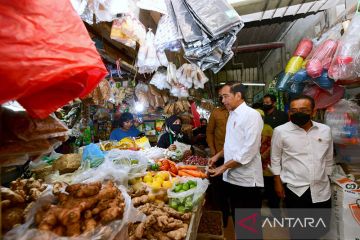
(242, 144)
(303, 159)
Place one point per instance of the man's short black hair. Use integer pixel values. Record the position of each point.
(238, 88)
(126, 116)
(271, 96)
(203, 119)
(299, 97)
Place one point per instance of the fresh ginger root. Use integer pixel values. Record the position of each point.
(140, 200)
(82, 208)
(178, 234)
(82, 190)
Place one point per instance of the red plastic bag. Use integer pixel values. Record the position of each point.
(47, 57)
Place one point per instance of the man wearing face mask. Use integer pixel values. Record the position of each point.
(273, 117)
(302, 160)
(172, 134)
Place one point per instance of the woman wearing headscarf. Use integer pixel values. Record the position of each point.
(126, 129)
(172, 134)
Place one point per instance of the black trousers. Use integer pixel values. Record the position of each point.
(313, 210)
(245, 198)
(270, 195)
(217, 195)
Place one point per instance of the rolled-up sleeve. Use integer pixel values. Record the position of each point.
(252, 140)
(276, 152)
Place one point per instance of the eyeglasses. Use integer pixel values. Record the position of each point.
(301, 110)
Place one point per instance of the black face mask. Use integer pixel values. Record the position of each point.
(267, 107)
(299, 118)
(176, 128)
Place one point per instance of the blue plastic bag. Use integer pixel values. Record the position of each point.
(93, 154)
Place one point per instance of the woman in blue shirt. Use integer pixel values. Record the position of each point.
(126, 129)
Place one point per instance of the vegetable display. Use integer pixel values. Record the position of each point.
(195, 160)
(81, 208)
(17, 200)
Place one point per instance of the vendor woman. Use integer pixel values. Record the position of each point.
(126, 129)
(172, 134)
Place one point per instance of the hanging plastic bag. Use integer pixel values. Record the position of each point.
(49, 64)
(153, 5)
(346, 63)
(147, 59)
(344, 120)
(106, 10)
(128, 30)
(159, 80)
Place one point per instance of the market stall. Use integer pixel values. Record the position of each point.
(65, 90)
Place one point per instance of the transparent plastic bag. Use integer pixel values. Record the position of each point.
(346, 63)
(153, 5)
(128, 30)
(187, 199)
(321, 58)
(106, 10)
(159, 80)
(167, 36)
(132, 161)
(117, 229)
(147, 59)
(344, 120)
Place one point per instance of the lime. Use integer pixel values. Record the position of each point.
(185, 186)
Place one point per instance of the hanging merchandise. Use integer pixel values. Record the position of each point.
(304, 48)
(346, 63)
(57, 67)
(162, 58)
(128, 30)
(344, 120)
(177, 89)
(104, 10)
(208, 30)
(159, 80)
(153, 5)
(141, 92)
(191, 75)
(323, 98)
(180, 106)
(167, 36)
(147, 59)
(101, 94)
(321, 58)
(324, 81)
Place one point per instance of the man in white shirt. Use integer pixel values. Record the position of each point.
(242, 169)
(302, 158)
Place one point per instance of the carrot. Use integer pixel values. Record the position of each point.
(171, 162)
(188, 167)
(193, 173)
(181, 173)
(172, 174)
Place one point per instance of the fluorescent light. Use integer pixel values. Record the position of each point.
(222, 83)
(13, 105)
(139, 107)
(254, 84)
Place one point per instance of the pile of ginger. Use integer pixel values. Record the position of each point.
(81, 208)
(162, 222)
